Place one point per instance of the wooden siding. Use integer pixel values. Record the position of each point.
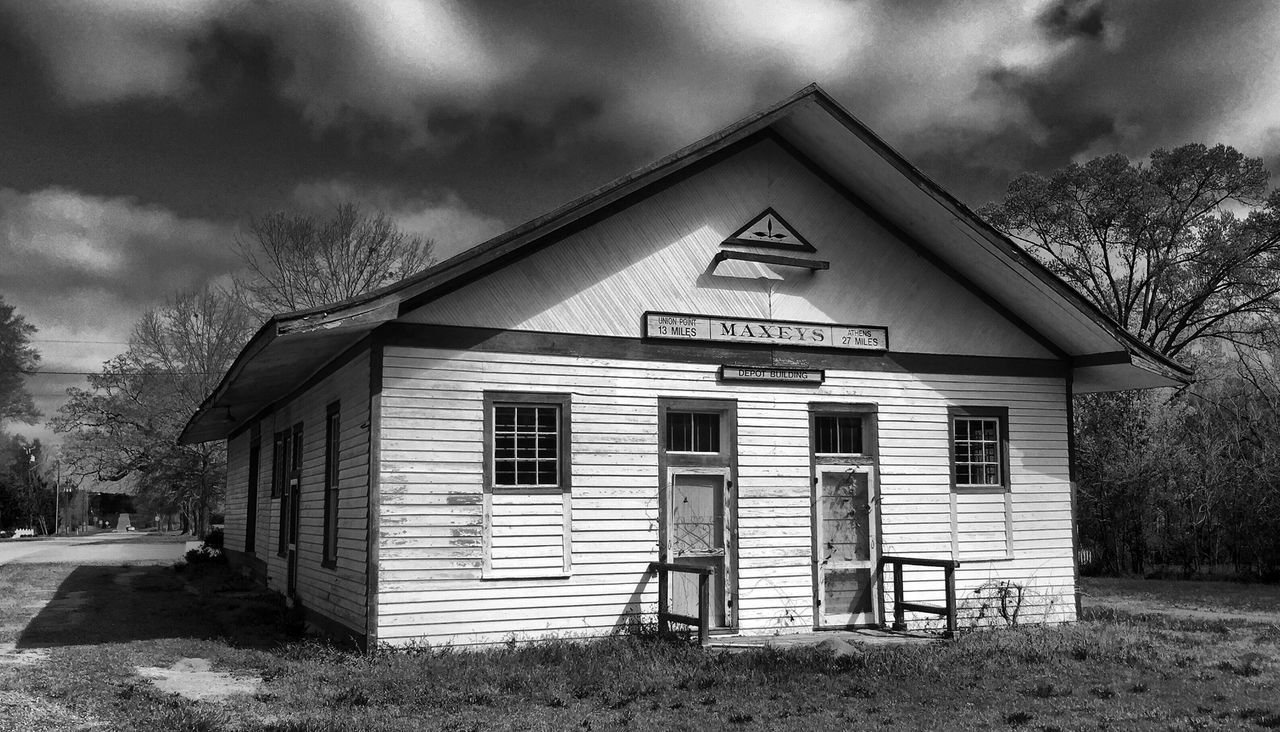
(338, 592)
(237, 492)
(431, 584)
(656, 255)
(527, 534)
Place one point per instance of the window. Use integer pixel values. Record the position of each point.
(693, 432)
(332, 445)
(527, 480)
(251, 501)
(837, 434)
(981, 501)
(977, 451)
(526, 445)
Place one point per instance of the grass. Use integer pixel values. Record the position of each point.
(1232, 597)
(1116, 670)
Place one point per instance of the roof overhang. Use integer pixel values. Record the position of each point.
(292, 346)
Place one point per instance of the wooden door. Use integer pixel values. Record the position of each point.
(846, 543)
(697, 530)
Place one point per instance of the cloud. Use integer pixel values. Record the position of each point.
(102, 50)
(386, 59)
(82, 269)
(443, 218)
(1020, 83)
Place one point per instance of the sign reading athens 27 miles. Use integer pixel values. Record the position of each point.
(670, 326)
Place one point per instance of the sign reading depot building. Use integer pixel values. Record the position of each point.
(670, 326)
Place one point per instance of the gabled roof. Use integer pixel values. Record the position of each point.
(292, 346)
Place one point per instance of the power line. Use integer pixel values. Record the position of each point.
(61, 340)
(99, 373)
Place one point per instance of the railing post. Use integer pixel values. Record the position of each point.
(899, 613)
(951, 600)
(704, 608)
(664, 625)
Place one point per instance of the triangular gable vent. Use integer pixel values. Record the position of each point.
(768, 229)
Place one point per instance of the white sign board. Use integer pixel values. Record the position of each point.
(771, 373)
(670, 326)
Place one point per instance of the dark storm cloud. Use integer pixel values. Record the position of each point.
(1069, 18)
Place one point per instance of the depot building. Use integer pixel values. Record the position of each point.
(772, 360)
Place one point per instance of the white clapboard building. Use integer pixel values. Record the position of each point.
(772, 359)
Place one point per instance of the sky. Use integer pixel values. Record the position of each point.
(138, 137)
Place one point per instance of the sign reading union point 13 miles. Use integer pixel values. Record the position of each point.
(765, 332)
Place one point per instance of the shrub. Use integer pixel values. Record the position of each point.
(205, 555)
(213, 539)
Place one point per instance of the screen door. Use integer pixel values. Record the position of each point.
(696, 529)
(846, 545)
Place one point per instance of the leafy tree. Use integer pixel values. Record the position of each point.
(126, 424)
(1178, 250)
(25, 498)
(17, 360)
(297, 262)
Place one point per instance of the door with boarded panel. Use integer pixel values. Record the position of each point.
(846, 543)
(697, 509)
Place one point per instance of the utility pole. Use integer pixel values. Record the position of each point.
(57, 494)
(31, 487)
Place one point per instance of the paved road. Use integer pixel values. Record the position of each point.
(108, 548)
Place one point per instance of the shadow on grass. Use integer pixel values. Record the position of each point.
(119, 604)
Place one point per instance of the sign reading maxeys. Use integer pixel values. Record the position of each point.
(672, 326)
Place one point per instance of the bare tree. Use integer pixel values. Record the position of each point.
(1167, 248)
(297, 262)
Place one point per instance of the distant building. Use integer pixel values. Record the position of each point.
(779, 355)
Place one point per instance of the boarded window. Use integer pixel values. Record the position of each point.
(693, 432)
(837, 434)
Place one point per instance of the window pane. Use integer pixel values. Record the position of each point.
(546, 419)
(546, 446)
(547, 472)
(679, 432)
(526, 418)
(989, 430)
(526, 446)
(504, 418)
(504, 472)
(504, 447)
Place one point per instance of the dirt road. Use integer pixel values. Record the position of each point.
(108, 548)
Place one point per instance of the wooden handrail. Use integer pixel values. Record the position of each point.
(900, 607)
(666, 617)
